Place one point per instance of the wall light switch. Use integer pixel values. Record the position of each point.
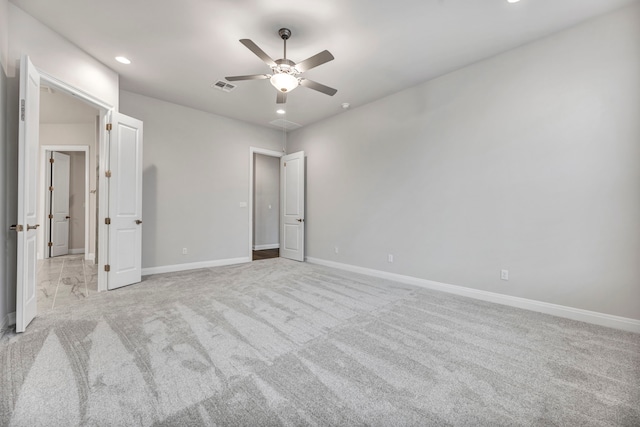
(390, 258)
(504, 274)
(243, 204)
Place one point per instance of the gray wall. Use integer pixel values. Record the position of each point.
(266, 204)
(196, 174)
(54, 54)
(528, 161)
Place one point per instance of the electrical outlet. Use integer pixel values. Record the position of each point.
(504, 274)
(184, 251)
(337, 250)
(390, 258)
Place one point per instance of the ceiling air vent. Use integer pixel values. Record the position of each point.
(223, 86)
(285, 124)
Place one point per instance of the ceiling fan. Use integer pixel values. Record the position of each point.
(285, 72)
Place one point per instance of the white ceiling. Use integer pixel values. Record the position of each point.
(179, 48)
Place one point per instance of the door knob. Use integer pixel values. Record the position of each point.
(32, 227)
(67, 217)
(16, 227)
(300, 220)
(138, 221)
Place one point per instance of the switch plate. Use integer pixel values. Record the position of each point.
(184, 251)
(390, 258)
(504, 274)
(337, 250)
(243, 204)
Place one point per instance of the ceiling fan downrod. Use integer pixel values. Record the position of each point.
(284, 33)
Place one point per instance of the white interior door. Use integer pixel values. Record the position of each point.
(59, 190)
(292, 206)
(26, 292)
(125, 201)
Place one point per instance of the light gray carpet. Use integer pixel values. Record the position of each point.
(277, 342)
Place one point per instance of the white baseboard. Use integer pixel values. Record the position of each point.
(269, 246)
(593, 317)
(76, 251)
(194, 265)
(90, 257)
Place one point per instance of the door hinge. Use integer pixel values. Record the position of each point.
(51, 160)
(107, 221)
(50, 216)
(107, 174)
(51, 188)
(107, 268)
(22, 109)
(109, 126)
(285, 164)
(50, 244)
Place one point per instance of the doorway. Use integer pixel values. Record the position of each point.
(264, 212)
(68, 202)
(68, 141)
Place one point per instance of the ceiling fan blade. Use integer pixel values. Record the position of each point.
(250, 77)
(259, 52)
(317, 86)
(281, 98)
(314, 61)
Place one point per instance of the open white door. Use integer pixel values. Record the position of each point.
(125, 202)
(292, 206)
(26, 294)
(59, 191)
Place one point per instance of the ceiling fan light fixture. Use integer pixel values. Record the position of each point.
(284, 82)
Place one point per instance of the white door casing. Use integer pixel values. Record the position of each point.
(292, 186)
(125, 201)
(26, 293)
(60, 180)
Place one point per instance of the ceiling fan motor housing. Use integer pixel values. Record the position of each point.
(285, 66)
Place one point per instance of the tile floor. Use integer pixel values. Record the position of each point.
(65, 280)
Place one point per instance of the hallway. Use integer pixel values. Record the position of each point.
(64, 280)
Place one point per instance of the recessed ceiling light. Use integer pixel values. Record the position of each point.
(513, 1)
(280, 111)
(123, 60)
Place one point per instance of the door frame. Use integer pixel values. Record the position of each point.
(45, 200)
(265, 152)
(105, 110)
